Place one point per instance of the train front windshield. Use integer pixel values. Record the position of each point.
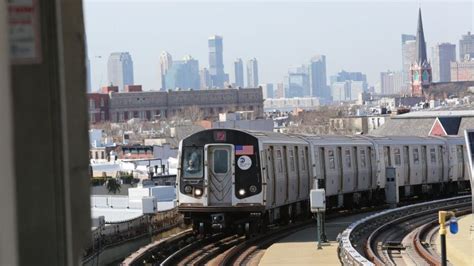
(192, 164)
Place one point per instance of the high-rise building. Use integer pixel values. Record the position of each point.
(421, 69)
(391, 82)
(120, 69)
(466, 47)
(183, 74)
(318, 79)
(267, 90)
(205, 78)
(408, 55)
(344, 75)
(298, 82)
(280, 91)
(166, 61)
(441, 57)
(252, 73)
(348, 90)
(462, 71)
(216, 61)
(239, 72)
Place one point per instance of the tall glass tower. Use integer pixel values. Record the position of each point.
(216, 61)
(120, 70)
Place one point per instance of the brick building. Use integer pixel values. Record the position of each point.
(150, 105)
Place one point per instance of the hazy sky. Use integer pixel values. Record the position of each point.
(354, 36)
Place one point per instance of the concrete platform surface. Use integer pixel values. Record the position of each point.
(300, 248)
(460, 247)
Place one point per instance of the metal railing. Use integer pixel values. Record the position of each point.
(347, 252)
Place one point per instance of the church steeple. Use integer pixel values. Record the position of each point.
(420, 42)
(420, 69)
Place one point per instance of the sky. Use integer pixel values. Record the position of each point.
(360, 36)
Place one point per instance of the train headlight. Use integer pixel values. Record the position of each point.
(241, 192)
(188, 189)
(198, 192)
(253, 189)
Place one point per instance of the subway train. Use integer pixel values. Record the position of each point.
(231, 178)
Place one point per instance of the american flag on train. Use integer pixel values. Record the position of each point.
(243, 149)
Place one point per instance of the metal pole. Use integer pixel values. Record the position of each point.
(318, 228)
(443, 250)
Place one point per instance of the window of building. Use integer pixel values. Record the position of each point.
(416, 156)
(433, 155)
(348, 158)
(332, 163)
(102, 103)
(398, 157)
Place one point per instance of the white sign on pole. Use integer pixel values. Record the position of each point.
(23, 23)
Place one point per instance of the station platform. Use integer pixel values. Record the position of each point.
(460, 247)
(301, 247)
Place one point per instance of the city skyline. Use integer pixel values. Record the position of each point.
(361, 57)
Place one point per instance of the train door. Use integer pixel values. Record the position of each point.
(406, 164)
(339, 167)
(286, 176)
(356, 168)
(305, 169)
(441, 164)
(271, 172)
(424, 165)
(322, 168)
(296, 167)
(460, 162)
(370, 169)
(220, 171)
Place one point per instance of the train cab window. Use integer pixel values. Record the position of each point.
(433, 155)
(192, 162)
(332, 163)
(280, 161)
(348, 158)
(459, 154)
(221, 161)
(363, 161)
(398, 158)
(416, 156)
(292, 160)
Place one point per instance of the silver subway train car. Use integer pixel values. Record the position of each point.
(234, 178)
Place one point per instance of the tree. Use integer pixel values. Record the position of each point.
(113, 185)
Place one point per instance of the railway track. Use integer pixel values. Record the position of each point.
(402, 236)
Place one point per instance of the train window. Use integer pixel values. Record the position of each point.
(416, 156)
(192, 162)
(433, 155)
(459, 154)
(303, 161)
(220, 161)
(332, 163)
(398, 157)
(348, 158)
(280, 161)
(363, 162)
(292, 160)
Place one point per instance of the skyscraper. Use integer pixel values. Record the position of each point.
(205, 78)
(267, 90)
(421, 69)
(166, 61)
(391, 82)
(252, 73)
(239, 72)
(408, 55)
(441, 57)
(466, 46)
(298, 82)
(318, 80)
(183, 74)
(120, 69)
(216, 61)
